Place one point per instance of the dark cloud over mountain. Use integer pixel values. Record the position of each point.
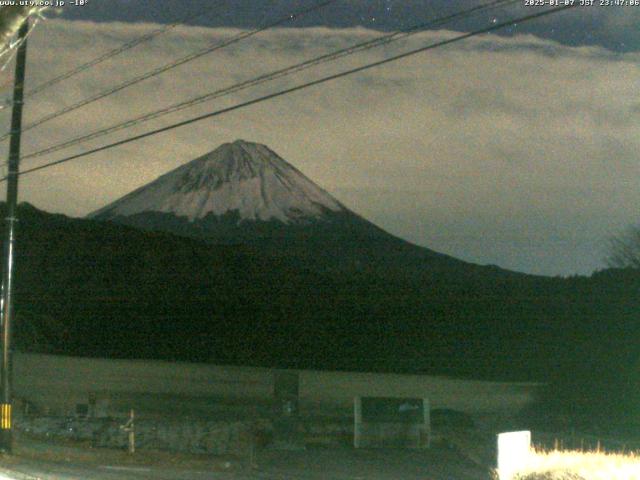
(612, 27)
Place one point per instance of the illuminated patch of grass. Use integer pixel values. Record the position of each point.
(577, 465)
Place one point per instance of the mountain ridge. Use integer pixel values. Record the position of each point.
(299, 219)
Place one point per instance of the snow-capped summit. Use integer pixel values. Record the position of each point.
(244, 179)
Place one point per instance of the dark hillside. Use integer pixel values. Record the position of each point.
(101, 289)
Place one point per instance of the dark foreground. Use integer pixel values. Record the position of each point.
(46, 461)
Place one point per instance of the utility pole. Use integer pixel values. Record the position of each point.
(6, 301)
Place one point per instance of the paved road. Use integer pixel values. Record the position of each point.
(311, 464)
(31, 470)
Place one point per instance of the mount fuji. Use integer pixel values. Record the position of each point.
(243, 179)
(243, 193)
(237, 257)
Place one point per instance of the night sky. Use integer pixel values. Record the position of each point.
(518, 149)
(613, 27)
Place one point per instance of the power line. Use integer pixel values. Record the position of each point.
(299, 87)
(177, 63)
(292, 69)
(110, 54)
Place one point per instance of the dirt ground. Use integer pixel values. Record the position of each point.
(45, 460)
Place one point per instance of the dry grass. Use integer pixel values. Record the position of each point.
(578, 465)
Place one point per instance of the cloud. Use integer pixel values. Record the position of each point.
(610, 26)
(514, 151)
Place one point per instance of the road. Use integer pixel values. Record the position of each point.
(309, 464)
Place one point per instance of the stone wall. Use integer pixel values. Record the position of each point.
(175, 435)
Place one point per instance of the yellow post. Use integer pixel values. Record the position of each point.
(5, 416)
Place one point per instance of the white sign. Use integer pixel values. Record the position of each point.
(514, 451)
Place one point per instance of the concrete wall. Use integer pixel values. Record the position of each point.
(57, 383)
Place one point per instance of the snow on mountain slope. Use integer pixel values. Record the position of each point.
(243, 177)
